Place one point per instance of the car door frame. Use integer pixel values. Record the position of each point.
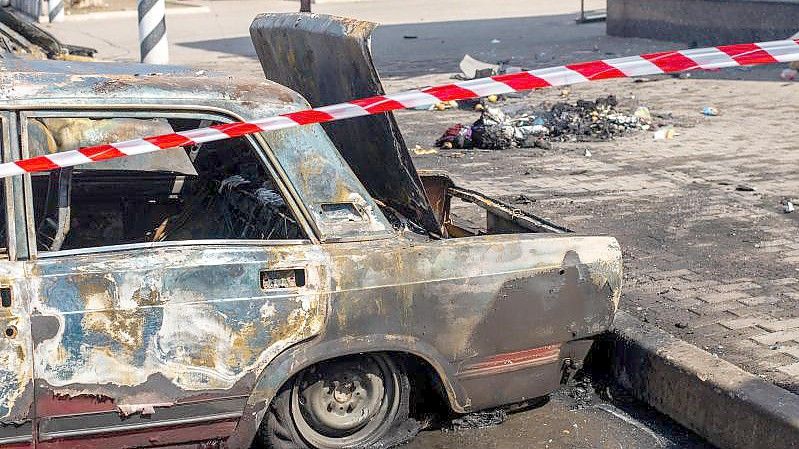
(17, 432)
(311, 244)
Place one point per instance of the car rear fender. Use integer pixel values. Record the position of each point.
(305, 354)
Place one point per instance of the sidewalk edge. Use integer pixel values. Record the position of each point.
(729, 407)
(100, 15)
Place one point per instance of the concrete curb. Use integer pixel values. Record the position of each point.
(729, 407)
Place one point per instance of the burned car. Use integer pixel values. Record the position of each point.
(270, 289)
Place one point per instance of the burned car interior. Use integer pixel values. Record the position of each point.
(210, 191)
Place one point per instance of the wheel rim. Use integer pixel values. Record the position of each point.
(347, 402)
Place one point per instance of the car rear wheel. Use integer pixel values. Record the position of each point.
(351, 402)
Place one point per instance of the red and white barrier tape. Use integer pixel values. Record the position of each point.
(648, 64)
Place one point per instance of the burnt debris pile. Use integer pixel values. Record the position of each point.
(525, 127)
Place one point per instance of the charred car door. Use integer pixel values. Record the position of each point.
(162, 285)
(16, 361)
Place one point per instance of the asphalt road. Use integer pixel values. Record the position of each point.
(574, 420)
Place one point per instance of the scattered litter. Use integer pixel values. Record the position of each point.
(587, 153)
(445, 105)
(665, 134)
(410, 36)
(643, 114)
(418, 150)
(565, 92)
(788, 74)
(523, 199)
(524, 127)
(710, 111)
(745, 188)
(787, 206)
(495, 41)
(472, 68)
(479, 420)
(458, 136)
(441, 106)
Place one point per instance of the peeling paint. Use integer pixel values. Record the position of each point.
(198, 334)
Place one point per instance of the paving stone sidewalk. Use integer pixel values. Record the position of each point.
(709, 254)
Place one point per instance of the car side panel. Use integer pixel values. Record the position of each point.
(131, 344)
(466, 306)
(16, 361)
(492, 306)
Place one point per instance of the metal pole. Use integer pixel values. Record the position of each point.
(152, 32)
(305, 5)
(55, 10)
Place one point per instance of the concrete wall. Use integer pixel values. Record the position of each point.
(705, 22)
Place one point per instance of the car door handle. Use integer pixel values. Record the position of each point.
(282, 278)
(5, 296)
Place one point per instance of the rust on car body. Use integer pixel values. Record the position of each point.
(184, 343)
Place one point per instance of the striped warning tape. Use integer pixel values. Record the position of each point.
(648, 64)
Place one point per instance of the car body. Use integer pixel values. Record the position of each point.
(153, 329)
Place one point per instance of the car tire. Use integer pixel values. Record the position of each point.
(352, 402)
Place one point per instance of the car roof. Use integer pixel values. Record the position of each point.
(54, 84)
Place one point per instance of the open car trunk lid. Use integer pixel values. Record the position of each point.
(327, 60)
